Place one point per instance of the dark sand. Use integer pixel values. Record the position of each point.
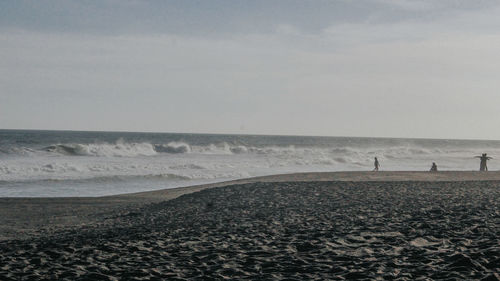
(392, 225)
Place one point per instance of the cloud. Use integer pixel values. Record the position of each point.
(218, 17)
(352, 75)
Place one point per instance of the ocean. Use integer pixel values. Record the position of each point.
(74, 163)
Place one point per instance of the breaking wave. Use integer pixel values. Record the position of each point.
(173, 147)
(124, 149)
(121, 148)
(118, 149)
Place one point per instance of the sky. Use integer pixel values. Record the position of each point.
(373, 68)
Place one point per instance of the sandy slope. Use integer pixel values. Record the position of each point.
(25, 217)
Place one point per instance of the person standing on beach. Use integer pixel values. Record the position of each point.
(482, 165)
(377, 164)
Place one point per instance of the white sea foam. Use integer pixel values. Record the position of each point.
(150, 163)
(118, 149)
(173, 147)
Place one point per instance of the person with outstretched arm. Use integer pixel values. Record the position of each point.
(483, 165)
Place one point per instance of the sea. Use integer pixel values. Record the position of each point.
(77, 163)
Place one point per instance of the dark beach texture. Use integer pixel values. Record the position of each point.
(282, 230)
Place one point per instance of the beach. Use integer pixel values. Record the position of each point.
(343, 225)
(249, 140)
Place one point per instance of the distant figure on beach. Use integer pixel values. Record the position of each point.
(377, 164)
(434, 167)
(482, 165)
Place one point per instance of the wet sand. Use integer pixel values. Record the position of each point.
(351, 225)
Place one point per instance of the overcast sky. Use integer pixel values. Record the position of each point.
(375, 68)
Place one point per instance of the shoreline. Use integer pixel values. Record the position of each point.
(30, 217)
(355, 176)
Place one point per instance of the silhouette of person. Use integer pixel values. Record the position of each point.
(482, 165)
(434, 167)
(377, 164)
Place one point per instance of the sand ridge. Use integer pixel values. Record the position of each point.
(28, 217)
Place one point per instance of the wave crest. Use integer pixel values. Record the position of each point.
(173, 147)
(120, 149)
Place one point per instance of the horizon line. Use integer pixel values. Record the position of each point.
(246, 134)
